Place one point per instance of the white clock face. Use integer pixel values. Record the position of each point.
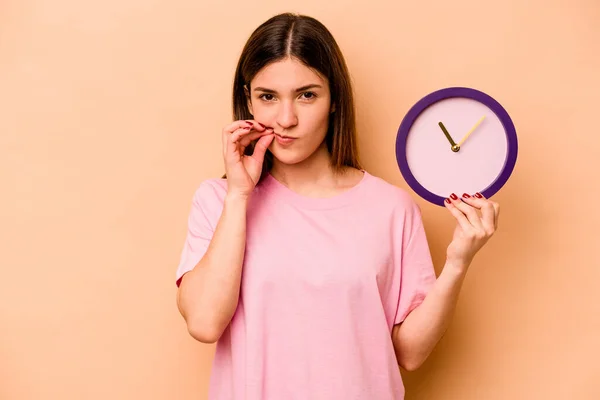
(482, 154)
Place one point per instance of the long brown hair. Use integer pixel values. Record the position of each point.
(310, 42)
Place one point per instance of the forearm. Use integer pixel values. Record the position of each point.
(415, 338)
(208, 295)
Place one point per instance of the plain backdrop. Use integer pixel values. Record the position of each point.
(110, 117)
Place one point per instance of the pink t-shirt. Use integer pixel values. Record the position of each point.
(323, 283)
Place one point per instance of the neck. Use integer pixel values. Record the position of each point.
(314, 171)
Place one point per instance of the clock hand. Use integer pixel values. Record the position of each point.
(455, 147)
(471, 131)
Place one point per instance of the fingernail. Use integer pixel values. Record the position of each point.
(466, 196)
(448, 201)
(478, 195)
(261, 125)
(454, 197)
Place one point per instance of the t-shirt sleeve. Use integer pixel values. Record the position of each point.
(417, 273)
(206, 208)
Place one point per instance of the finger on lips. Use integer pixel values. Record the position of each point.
(237, 133)
(237, 125)
(245, 135)
(246, 140)
(257, 125)
(243, 124)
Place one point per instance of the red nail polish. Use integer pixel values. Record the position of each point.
(448, 201)
(262, 125)
(478, 195)
(454, 197)
(466, 196)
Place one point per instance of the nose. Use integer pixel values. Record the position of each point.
(286, 116)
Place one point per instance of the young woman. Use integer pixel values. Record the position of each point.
(313, 276)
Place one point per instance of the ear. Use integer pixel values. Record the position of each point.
(332, 110)
(248, 99)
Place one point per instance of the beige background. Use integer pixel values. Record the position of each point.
(110, 116)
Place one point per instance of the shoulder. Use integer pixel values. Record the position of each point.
(391, 196)
(400, 207)
(212, 186)
(210, 193)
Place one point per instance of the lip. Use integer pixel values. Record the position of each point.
(284, 140)
(284, 136)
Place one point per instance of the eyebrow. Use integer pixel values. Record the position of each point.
(300, 89)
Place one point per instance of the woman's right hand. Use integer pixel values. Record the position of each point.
(243, 172)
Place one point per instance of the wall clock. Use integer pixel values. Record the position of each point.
(456, 140)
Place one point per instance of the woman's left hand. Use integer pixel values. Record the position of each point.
(473, 230)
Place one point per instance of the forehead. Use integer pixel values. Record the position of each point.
(287, 74)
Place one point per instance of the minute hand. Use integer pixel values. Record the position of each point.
(471, 131)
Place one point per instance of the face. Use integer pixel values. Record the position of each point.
(295, 101)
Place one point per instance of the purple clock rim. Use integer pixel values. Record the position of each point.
(441, 94)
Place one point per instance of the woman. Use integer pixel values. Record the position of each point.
(313, 276)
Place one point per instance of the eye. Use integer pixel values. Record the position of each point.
(309, 95)
(266, 96)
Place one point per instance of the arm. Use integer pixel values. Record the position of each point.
(415, 338)
(208, 294)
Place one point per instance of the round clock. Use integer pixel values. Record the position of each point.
(456, 140)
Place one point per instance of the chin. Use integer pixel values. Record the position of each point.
(288, 157)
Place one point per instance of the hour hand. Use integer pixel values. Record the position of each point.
(455, 147)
